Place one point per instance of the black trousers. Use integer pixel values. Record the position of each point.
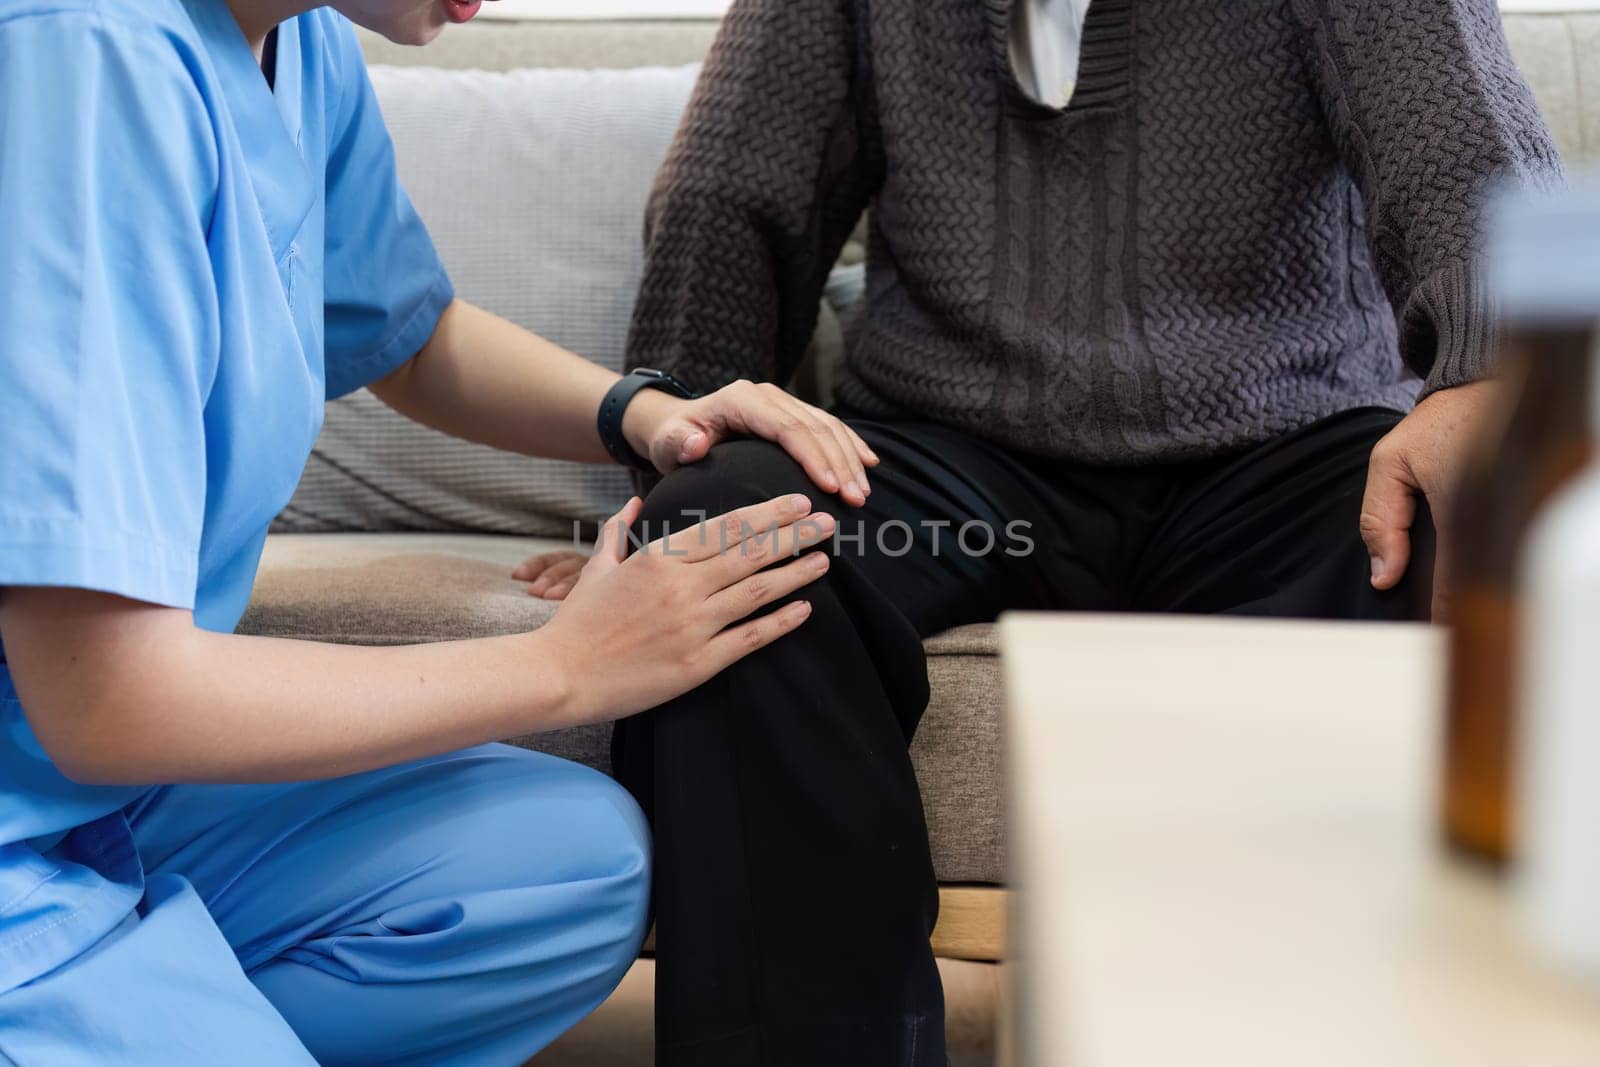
(794, 892)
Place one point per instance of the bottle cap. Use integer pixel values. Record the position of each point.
(1544, 255)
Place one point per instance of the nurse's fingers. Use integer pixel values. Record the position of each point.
(768, 586)
(864, 450)
(737, 642)
(847, 448)
(611, 548)
(726, 533)
(767, 547)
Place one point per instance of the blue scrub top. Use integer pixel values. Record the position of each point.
(191, 263)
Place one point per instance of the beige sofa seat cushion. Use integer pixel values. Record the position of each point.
(395, 589)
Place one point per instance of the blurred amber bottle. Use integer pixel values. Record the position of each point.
(1538, 442)
(1544, 277)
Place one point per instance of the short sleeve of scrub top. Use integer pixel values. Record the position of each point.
(191, 263)
(373, 233)
(108, 322)
(106, 328)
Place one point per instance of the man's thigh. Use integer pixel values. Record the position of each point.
(955, 530)
(1275, 531)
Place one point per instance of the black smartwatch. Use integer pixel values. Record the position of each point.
(616, 402)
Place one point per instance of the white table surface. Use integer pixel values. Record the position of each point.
(1223, 842)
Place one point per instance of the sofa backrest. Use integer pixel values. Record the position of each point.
(506, 44)
(1560, 56)
(1557, 52)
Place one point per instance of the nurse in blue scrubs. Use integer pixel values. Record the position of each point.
(204, 238)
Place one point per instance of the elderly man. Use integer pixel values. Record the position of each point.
(1192, 324)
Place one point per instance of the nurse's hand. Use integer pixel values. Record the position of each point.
(641, 629)
(673, 432)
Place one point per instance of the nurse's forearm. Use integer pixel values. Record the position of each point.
(123, 692)
(484, 379)
(140, 695)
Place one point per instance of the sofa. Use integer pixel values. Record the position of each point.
(399, 587)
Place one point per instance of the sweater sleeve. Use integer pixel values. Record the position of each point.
(1432, 117)
(762, 187)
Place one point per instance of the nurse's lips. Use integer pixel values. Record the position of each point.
(461, 10)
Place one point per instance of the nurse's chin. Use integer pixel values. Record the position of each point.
(420, 37)
(414, 31)
(414, 22)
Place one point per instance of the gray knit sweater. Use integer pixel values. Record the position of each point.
(1253, 214)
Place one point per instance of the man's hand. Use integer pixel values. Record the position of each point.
(673, 432)
(551, 574)
(1424, 454)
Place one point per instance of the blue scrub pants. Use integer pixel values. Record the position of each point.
(464, 909)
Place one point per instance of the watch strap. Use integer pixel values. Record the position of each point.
(615, 405)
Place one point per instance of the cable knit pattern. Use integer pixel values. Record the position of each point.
(1251, 216)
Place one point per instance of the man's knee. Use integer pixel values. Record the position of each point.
(732, 475)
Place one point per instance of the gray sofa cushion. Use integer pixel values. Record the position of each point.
(393, 589)
(533, 184)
